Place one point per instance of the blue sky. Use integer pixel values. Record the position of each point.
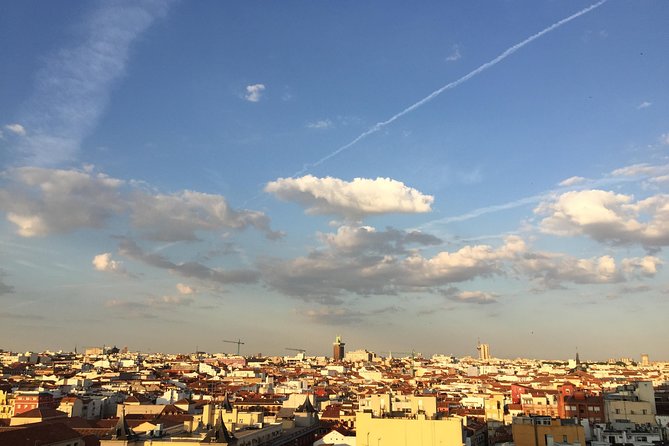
(178, 173)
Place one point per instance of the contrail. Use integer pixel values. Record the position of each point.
(378, 126)
(589, 184)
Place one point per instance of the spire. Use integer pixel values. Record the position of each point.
(306, 406)
(227, 406)
(222, 435)
(122, 431)
(199, 430)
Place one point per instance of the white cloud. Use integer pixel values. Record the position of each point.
(190, 269)
(354, 263)
(553, 269)
(178, 216)
(185, 289)
(660, 179)
(350, 199)
(366, 239)
(665, 138)
(455, 54)
(16, 129)
(72, 88)
(320, 124)
(644, 104)
(473, 297)
(608, 217)
(464, 264)
(641, 169)
(104, 262)
(356, 268)
(167, 301)
(647, 266)
(44, 201)
(571, 181)
(40, 201)
(254, 92)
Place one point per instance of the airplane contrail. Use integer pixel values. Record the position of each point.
(589, 184)
(506, 53)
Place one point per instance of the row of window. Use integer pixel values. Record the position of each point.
(590, 408)
(643, 412)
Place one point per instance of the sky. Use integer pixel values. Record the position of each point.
(410, 177)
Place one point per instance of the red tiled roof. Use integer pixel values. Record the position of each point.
(42, 412)
(38, 434)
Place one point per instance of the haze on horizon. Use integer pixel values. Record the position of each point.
(173, 174)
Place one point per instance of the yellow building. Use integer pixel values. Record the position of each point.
(546, 431)
(390, 404)
(232, 417)
(494, 407)
(6, 405)
(638, 412)
(415, 430)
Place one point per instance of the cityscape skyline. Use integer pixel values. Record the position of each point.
(176, 174)
(481, 352)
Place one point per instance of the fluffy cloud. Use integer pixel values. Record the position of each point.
(182, 288)
(16, 129)
(642, 266)
(350, 199)
(254, 92)
(464, 264)
(104, 262)
(41, 201)
(45, 201)
(362, 261)
(326, 275)
(473, 297)
(551, 270)
(178, 216)
(608, 217)
(366, 239)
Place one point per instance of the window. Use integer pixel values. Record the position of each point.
(645, 412)
(617, 411)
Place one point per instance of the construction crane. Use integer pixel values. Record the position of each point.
(238, 342)
(301, 350)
